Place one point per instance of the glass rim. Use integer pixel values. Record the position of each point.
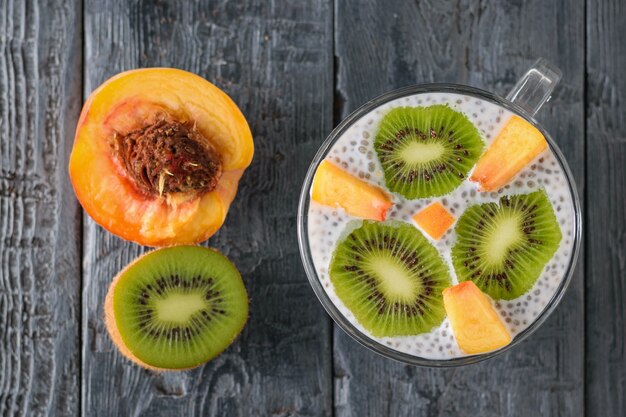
(309, 267)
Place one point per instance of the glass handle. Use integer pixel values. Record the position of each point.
(534, 88)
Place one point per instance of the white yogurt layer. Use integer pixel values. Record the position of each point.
(354, 152)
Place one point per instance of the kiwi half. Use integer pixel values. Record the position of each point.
(176, 308)
(426, 151)
(391, 278)
(504, 247)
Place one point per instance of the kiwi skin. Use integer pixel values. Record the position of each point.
(116, 337)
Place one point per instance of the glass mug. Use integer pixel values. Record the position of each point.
(525, 99)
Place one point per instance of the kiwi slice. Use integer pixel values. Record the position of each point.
(176, 308)
(391, 278)
(504, 247)
(426, 151)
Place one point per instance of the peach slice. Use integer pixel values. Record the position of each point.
(518, 143)
(434, 219)
(334, 187)
(158, 155)
(474, 321)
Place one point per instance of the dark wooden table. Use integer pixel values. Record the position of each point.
(296, 68)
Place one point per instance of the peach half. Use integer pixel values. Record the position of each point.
(158, 155)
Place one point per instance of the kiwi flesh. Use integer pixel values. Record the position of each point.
(426, 151)
(504, 247)
(176, 308)
(390, 278)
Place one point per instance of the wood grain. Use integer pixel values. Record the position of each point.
(275, 60)
(40, 83)
(606, 213)
(380, 46)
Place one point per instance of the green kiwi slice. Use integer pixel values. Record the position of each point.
(426, 151)
(504, 247)
(176, 308)
(391, 278)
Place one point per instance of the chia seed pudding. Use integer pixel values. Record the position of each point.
(354, 152)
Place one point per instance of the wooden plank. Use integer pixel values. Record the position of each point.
(275, 60)
(606, 213)
(40, 90)
(380, 46)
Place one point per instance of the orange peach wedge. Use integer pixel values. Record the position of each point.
(518, 143)
(475, 323)
(334, 187)
(157, 156)
(434, 219)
